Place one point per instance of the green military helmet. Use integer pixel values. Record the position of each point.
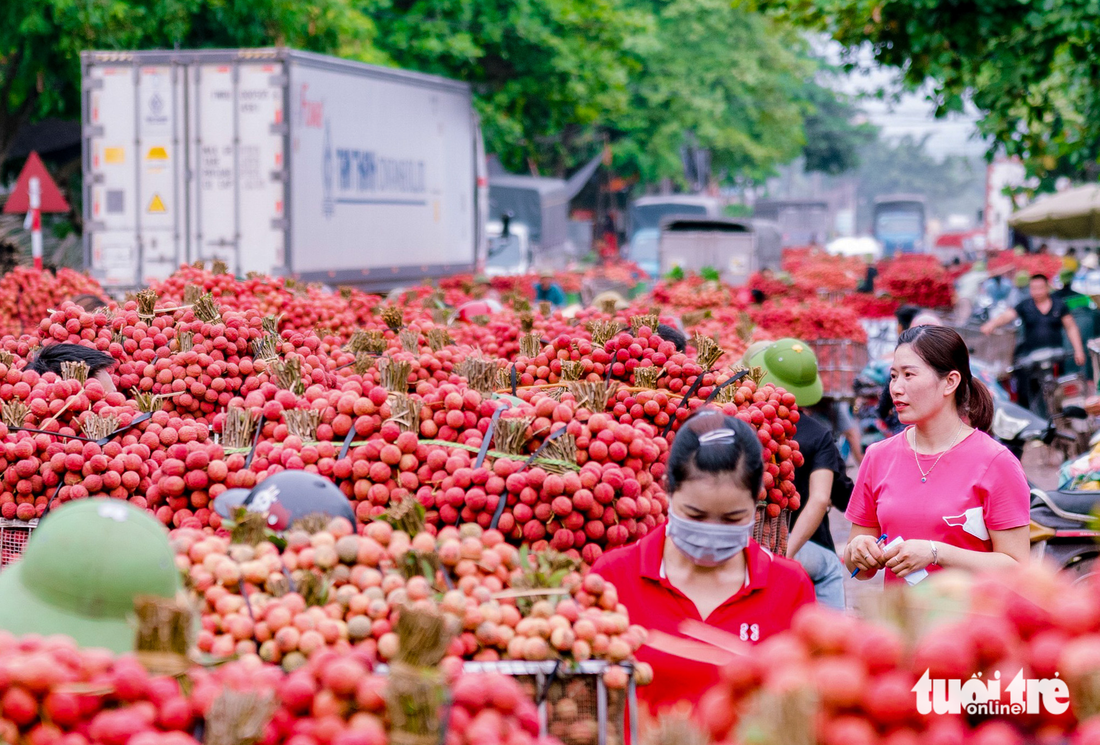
(81, 571)
(755, 348)
(792, 365)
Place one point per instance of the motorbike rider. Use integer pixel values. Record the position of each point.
(1043, 318)
(998, 287)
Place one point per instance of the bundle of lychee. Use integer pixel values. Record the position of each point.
(1027, 636)
(333, 589)
(53, 692)
(299, 307)
(770, 410)
(86, 446)
(694, 292)
(27, 295)
(597, 487)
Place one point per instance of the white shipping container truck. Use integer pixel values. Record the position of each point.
(279, 162)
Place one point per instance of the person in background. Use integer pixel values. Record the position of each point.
(837, 414)
(868, 283)
(1043, 249)
(791, 364)
(99, 363)
(674, 335)
(1084, 312)
(998, 287)
(1067, 294)
(1069, 261)
(549, 291)
(1043, 318)
(969, 286)
(905, 315)
(954, 496)
(90, 303)
(1088, 278)
(1019, 289)
(702, 565)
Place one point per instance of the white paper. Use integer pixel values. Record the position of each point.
(914, 577)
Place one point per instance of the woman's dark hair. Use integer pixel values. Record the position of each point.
(905, 315)
(944, 351)
(50, 358)
(1043, 277)
(668, 333)
(738, 453)
(90, 302)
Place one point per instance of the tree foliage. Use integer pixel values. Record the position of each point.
(727, 77)
(41, 41)
(1030, 66)
(547, 73)
(835, 139)
(553, 79)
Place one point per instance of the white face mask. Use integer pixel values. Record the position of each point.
(707, 544)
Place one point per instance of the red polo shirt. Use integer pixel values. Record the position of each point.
(775, 589)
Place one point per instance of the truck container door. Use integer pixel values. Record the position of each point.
(160, 214)
(260, 167)
(212, 153)
(111, 246)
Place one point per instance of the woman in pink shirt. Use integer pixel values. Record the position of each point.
(955, 496)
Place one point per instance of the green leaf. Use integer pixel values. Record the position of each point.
(556, 578)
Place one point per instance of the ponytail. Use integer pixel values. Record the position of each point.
(979, 405)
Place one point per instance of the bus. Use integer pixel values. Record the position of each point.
(898, 223)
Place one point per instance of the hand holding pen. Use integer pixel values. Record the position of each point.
(867, 556)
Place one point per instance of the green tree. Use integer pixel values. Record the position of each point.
(722, 75)
(546, 73)
(834, 136)
(41, 41)
(1030, 66)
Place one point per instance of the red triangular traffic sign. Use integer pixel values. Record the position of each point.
(20, 199)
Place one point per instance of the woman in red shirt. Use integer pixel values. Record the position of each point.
(702, 565)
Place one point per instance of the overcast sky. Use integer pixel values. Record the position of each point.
(911, 114)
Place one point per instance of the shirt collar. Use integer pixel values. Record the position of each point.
(652, 547)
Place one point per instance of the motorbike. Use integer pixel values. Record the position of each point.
(1063, 529)
(1050, 387)
(1016, 426)
(1064, 532)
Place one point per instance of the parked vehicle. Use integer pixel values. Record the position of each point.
(1063, 528)
(646, 213)
(280, 162)
(645, 250)
(1055, 389)
(898, 223)
(734, 248)
(541, 206)
(508, 254)
(801, 222)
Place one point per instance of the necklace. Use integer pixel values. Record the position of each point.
(924, 474)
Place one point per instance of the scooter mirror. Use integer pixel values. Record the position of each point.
(1075, 412)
